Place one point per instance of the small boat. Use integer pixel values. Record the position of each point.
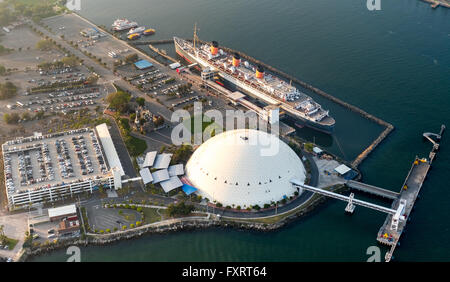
(138, 30)
(134, 36)
(149, 31)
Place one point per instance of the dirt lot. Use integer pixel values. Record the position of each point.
(70, 26)
(23, 37)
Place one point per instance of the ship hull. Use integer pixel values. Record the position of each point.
(326, 128)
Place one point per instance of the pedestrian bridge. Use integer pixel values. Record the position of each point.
(349, 199)
(374, 190)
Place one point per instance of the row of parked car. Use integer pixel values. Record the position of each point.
(64, 106)
(98, 152)
(82, 152)
(65, 163)
(8, 174)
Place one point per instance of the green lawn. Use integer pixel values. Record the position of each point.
(11, 243)
(151, 215)
(135, 146)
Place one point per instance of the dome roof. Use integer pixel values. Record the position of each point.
(244, 167)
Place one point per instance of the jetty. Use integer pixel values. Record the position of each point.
(436, 3)
(403, 202)
(395, 225)
(388, 128)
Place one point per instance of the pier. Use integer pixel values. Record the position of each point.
(403, 202)
(159, 52)
(394, 226)
(388, 127)
(360, 158)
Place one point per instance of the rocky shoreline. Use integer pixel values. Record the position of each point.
(185, 224)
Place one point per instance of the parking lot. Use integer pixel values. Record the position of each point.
(70, 26)
(44, 231)
(44, 161)
(109, 218)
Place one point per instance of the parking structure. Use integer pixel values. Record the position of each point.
(47, 167)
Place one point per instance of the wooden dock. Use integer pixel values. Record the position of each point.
(394, 225)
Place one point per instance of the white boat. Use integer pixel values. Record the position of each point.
(139, 30)
(123, 24)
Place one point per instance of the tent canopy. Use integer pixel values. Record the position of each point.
(342, 169)
(188, 189)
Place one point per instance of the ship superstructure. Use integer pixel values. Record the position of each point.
(254, 80)
(123, 24)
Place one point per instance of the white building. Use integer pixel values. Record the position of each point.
(48, 182)
(233, 168)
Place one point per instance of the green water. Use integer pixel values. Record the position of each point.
(393, 63)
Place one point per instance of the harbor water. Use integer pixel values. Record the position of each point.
(392, 63)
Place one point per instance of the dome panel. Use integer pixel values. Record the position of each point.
(244, 167)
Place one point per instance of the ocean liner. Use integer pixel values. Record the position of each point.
(257, 83)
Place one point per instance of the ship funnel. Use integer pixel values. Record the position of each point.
(259, 72)
(214, 48)
(236, 60)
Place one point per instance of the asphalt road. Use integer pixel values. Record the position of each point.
(122, 151)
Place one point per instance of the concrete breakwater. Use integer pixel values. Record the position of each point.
(357, 161)
(363, 155)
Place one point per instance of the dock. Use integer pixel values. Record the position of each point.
(394, 225)
(161, 53)
(403, 202)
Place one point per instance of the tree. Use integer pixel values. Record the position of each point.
(26, 116)
(119, 100)
(70, 61)
(309, 147)
(2, 70)
(7, 90)
(44, 45)
(11, 118)
(140, 101)
(39, 115)
(179, 209)
(131, 58)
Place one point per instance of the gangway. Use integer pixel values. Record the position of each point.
(351, 200)
(374, 190)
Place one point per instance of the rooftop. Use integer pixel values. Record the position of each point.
(43, 161)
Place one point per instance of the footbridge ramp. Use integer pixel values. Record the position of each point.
(374, 190)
